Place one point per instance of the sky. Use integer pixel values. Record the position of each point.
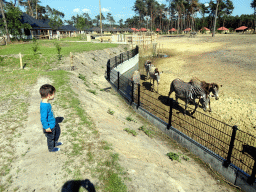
(121, 9)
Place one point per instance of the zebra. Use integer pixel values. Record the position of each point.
(155, 75)
(207, 87)
(147, 65)
(188, 92)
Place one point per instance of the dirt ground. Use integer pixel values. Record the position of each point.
(142, 157)
(227, 59)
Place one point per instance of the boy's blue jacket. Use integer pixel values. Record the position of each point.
(47, 117)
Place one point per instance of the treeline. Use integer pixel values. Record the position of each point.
(181, 14)
(150, 14)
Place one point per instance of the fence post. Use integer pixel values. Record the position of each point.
(138, 96)
(132, 92)
(128, 52)
(121, 58)
(115, 61)
(21, 65)
(108, 70)
(231, 146)
(170, 113)
(118, 80)
(251, 179)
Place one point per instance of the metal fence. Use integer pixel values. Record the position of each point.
(220, 138)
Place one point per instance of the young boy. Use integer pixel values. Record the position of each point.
(47, 118)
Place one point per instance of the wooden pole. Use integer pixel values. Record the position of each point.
(21, 65)
(71, 61)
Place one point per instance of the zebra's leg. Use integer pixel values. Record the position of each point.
(210, 110)
(196, 105)
(186, 105)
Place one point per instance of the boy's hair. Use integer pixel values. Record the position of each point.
(46, 89)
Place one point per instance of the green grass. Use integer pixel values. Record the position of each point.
(92, 91)
(48, 47)
(134, 133)
(111, 179)
(129, 118)
(17, 83)
(111, 112)
(173, 156)
(147, 131)
(81, 76)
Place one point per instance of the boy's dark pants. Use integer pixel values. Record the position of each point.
(52, 137)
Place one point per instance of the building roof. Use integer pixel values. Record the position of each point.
(205, 29)
(173, 29)
(68, 28)
(35, 24)
(241, 28)
(188, 29)
(143, 29)
(222, 29)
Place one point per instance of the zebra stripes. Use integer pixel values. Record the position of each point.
(187, 92)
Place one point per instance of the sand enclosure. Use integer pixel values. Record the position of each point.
(226, 60)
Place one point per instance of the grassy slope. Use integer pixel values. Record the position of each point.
(15, 84)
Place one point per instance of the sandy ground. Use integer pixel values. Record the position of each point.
(228, 60)
(143, 158)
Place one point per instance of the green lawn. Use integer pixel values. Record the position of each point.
(48, 47)
(15, 86)
(47, 54)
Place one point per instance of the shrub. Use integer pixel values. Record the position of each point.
(173, 156)
(35, 46)
(110, 112)
(58, 47)
(130, 131)
(146, 131)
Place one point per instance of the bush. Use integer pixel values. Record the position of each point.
(58, 47)
(35, 46)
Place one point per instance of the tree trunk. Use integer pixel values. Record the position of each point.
(32, 14)
(36, 10)
(5, 23)
(213, 33)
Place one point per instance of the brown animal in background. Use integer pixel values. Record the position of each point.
(155, 75)
(207, 87)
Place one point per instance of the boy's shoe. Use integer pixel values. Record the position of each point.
(59, 143)
(55, 149)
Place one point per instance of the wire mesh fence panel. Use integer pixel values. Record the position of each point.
(243, 160)
(125, 86)
(154, 105)
(209, 132)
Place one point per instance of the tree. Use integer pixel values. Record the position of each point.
(253, 5)
(121, 23)
(140, 8)
(5, 22)
(55, 21)
(97, 19)
(214, 28)
(110, 18)
(13, 17)
(204, 10)
(82, 21)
